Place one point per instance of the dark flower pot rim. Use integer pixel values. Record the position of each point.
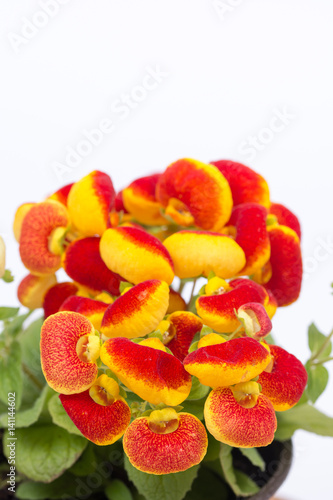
(278, 458)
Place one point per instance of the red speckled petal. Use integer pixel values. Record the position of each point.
(199, 252)
(202, 189)
(285, 384)
(62, 368)
(156, 376)
(62, 194)
(236, 426)
(286, 217)
(249, 220)
(56, 295)
(166, 453)
(102, 425)
(37, 227)
(83, 263)
(136, 255)
(137, 312)
(89, 203)
(32, 289)
(286, 264)
(92, 309)
(234, 361)
(186, 325)
(217, 311)
(246, 185)
(140, 201)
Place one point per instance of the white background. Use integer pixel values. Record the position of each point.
(227, 75)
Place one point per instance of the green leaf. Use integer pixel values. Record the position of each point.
(117, 490)
(28, 416)
(60, 417)
(317, 380)
(270, 339)
(63, 487)
(198, 390)
(195, 407)
(10, 373)
(208, 486)
(245, 484)
(304, 417)
(33, 380)
(193, 346)
(254, 456)
(123, 285)
(15, 326)
(205, 330)
(163, 487)
(240, 484)
(213, 450)
(7, 276)
(316, 340)
(86, 463)
(43, 453)
(8, 312)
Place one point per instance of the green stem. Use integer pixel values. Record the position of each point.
(233, 335)
(32, 377)
(322, 348)
(181, 286)
(322, 361)
(192, 292)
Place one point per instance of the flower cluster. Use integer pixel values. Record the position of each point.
(121, 345)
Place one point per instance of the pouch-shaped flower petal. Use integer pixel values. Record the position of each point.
(176, 302)
(166, 442)
(199, 252)
(90, 201)
(38, 227)
(56, 295)
(138, 311)
(246, 185)
(286, 265)
(140, 201)
(249, 221)
(102, 418)
(69, 349)
(195, 193)
(255, 319)
(153, 374)
(286, 217)
(218, 311)
(183, 327)
(61, 195)
(235, 425)
(136, 255)
(20, 213)
(228, 363)
(285, 379)
(83, 263)
(92, 309)
(32, 289)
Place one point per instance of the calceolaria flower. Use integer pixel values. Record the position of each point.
(125, 348)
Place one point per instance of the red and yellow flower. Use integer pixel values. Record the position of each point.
(118, 325)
